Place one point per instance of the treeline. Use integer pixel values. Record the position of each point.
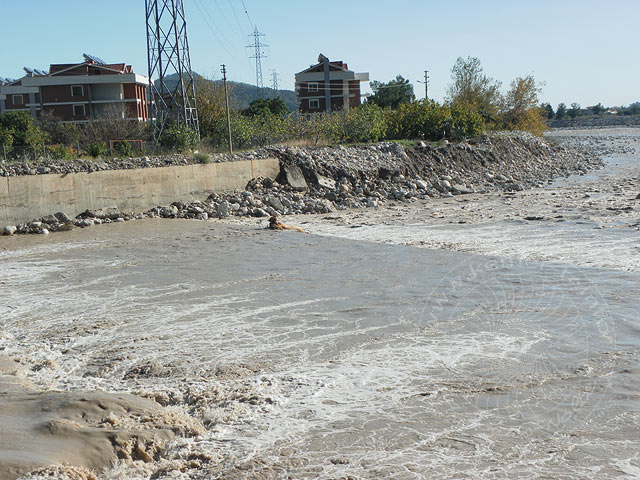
(269, 121)
(575, 110)
(474, 104)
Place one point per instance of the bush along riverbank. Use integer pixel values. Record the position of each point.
(325, 179)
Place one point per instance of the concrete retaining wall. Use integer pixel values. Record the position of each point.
(23, 198)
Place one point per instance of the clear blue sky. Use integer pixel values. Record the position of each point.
(585, 51)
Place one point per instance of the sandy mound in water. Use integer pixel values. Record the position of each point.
(88, 430)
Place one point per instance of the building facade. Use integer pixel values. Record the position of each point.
(79, 93)
(328, 86)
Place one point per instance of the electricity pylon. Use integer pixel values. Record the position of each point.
(173, 95)
(258, 55)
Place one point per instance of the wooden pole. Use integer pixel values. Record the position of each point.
(226, 103)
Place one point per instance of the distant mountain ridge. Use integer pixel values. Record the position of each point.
(242, 94)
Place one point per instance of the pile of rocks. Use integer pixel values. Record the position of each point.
(601, 145)
(43, 166)
(325, 179)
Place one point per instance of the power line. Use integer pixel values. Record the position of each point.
(214, 24)
(247, 12)
(211, 28)
(233, 9)
(227, 21)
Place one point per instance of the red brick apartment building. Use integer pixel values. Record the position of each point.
(328, 86)
(79, 92)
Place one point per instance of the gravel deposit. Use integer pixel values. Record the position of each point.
(326, 179)
(77, 166)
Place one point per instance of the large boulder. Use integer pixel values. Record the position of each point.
(62, 217)
(292, 175)
(224, 209)
(109, 212)
(275, 203)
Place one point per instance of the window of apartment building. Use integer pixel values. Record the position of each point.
(78, 111)
(312, 87)
(17, 99)
(314, 104)
(77, 91)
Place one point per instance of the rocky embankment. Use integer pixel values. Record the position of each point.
(324, 179)
(80, 165)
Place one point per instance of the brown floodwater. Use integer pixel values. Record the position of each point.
(319, 357)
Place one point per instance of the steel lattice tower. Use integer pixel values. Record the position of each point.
(173, 93)
(258, 55)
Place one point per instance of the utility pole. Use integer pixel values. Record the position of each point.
(426, 84)
(258, 55)
(226, 104)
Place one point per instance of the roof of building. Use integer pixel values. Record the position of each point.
(336, 66)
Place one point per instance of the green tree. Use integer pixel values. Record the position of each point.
(561, 111)
(391, 94)
(470, 86)
(179, 138)
(547, 111)
(429, 120)
(519, 109)
(574, 111)
(6, 137)
(598, 109)
(464, 123)
(212, 117)
(633, 109)
(357, 125)
(262, 106)
(23, 130)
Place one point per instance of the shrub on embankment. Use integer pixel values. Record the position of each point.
(424, 120)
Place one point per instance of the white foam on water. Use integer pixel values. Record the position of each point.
(566, 242)
(49, 248)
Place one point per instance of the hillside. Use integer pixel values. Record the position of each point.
(242, 94)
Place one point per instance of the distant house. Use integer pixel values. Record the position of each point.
(328, 86)
(79, 92)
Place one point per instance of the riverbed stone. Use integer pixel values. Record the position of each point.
(259, 212)
(275, 202)
(62, 217)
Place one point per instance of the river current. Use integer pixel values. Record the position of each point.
(362, 359)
